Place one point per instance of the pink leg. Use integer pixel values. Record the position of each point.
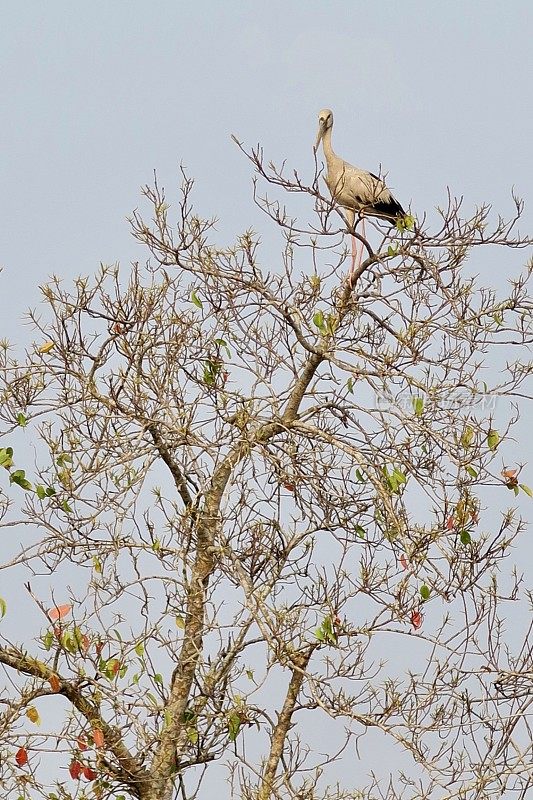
(354, 255)
(357, 258)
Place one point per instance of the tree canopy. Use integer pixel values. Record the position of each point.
(260, 508)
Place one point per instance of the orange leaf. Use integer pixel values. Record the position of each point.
(403, 561)
(416, 619)
(75, 769)
(21, 756)
(98, 737)
(55, 683)
(509, 473)
(89, 774)
(59, 612)
(450, 523)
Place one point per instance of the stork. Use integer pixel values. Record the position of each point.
(356, 190)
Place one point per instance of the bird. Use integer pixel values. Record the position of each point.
(355, 189)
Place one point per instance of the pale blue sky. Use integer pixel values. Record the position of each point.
(96, 95)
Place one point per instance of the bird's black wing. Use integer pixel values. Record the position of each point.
(390, 208)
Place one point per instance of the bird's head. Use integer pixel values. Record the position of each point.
(325, 122)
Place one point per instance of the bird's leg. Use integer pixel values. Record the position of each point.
(357, 258)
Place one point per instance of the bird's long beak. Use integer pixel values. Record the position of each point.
(320, 134)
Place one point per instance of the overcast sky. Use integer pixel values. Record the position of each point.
(97, 95)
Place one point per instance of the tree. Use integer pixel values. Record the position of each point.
(266, 513)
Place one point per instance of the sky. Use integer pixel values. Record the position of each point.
(97, 95)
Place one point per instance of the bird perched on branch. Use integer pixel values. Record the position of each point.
(356, 190)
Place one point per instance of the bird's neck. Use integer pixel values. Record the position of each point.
(326, 144)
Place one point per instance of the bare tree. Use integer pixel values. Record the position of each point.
(264, 521)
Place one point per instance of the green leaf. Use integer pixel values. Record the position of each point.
(465, 537)
(526, 489)
(188, 716)
(250, 674)
(471, 471)
(18, 477)
(192, 735)
(40, 491)
(21, 420)
(360, 531)
(50, 491)
(63, 460)
(66, 508)
(466, 438)
(332, 323)
(180, 622)
(152, 698)
(158, 678)
(196, 300)
(392, 251)
(318, 320)
(234, 723)
(493, 438)
(139, 649)
(211, 370)
(3, 608)
(325, 632)
(349, 385)
(418, 405)
(359, 475)
(97, 565)
(48, 640)
(6, 457)
(224, 344)
(425, 591)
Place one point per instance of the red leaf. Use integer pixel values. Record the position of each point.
(75, 769)
(82, 744)
(55, 683)
(98, 737)
(99, 646)
(403, 561)
(450, 524)
(89, 774)
(290, 486)
(85, 643)
(21, 756)
(416, 620)
(59, 612)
